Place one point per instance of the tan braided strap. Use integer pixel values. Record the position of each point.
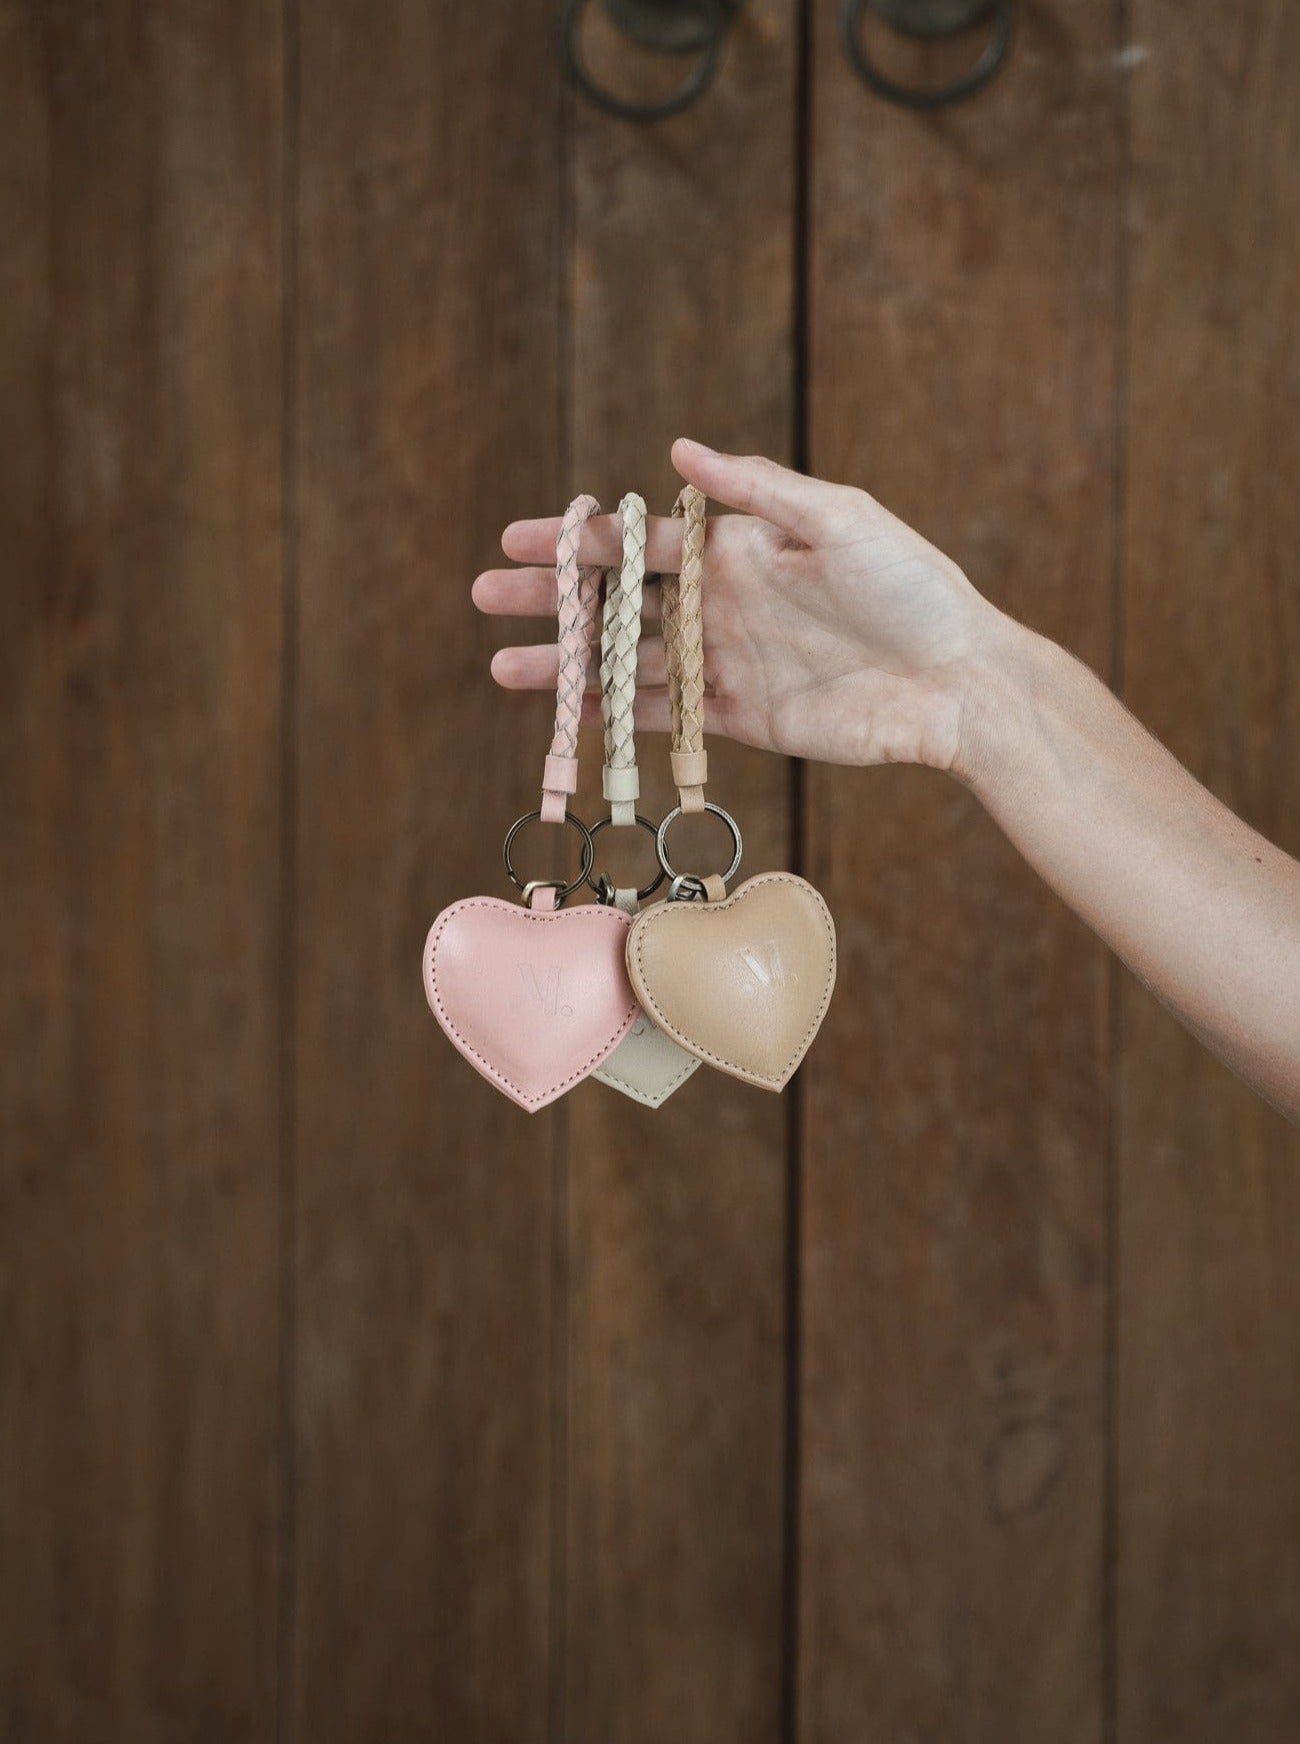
(682, 611)
(578, 588)
(619, 635)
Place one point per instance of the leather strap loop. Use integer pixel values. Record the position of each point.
(620, 633)
(560, 775)
(621, 786)
(690, 768)
(579, 592)
(681, 605)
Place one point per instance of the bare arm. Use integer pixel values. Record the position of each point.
(834, 631)
(1198, 905)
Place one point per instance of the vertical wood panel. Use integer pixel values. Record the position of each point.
(427, 417)
(140, 430)
(1209, 1425)
(963, 345)
(682, 276)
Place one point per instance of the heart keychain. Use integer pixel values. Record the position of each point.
(536, 998)
(647, 1065)
(742, 981)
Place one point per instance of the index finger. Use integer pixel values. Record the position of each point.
(601, 545)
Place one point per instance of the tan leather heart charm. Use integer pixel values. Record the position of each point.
(743, 983)
(535, 1000)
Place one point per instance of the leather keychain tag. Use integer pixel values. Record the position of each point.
(536, 998)
(742, 981)
(647, 1065)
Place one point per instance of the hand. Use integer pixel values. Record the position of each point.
(831, 630)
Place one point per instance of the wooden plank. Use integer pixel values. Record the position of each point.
(1209, 1402)
(953, 1399)
(140, 434)
(682, 280)
(427, 418)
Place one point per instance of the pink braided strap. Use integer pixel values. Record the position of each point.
(579, 593)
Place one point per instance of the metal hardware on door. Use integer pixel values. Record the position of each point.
(671, 27)
(699, 27)
(930, 19)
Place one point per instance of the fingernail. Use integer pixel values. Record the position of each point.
(703, 447)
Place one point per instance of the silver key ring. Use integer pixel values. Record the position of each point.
(562, 890)
(597, 884)
(661, 840)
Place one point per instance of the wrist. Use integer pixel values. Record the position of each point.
(1010, 674)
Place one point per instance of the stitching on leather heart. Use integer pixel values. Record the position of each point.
(608, 1077)
(489, 1070)
(658, 913)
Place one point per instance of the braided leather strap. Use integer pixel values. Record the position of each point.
(579, 593)
(682, 611)
(620, 633)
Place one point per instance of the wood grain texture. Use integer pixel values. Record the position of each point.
(140, 430)
(1209, 1416)
(427, 418)
(682, 280)
(953, 1392)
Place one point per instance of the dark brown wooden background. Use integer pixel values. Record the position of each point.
(954, 1396)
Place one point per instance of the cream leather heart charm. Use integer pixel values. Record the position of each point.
(742, 983)
(534, 999)
(647, 1065)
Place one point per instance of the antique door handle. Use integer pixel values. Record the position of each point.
(698, 28)
(930, 19)
(671, 27)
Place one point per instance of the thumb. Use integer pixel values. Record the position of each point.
(790, 500)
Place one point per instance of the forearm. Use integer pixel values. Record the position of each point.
(1202, 908)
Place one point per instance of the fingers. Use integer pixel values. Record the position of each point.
(799, 505)
(601, 543)
(538, 668)
(531, 593)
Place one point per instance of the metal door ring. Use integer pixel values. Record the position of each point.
(713, 13)
(922, 18)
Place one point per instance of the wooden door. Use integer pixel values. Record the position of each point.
(957, 1144)
(952, 1394)
(141, 575)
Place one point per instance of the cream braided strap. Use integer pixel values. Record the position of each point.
(682, 610)
(619, 635)
(579, 592)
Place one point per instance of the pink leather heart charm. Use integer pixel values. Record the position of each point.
(535, 999)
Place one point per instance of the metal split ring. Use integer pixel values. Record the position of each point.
(661, 840)
(562, 890)
(602, 885)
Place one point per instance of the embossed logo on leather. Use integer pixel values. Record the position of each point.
(545, 989)
(764, 964)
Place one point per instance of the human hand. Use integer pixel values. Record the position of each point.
(831, 630)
